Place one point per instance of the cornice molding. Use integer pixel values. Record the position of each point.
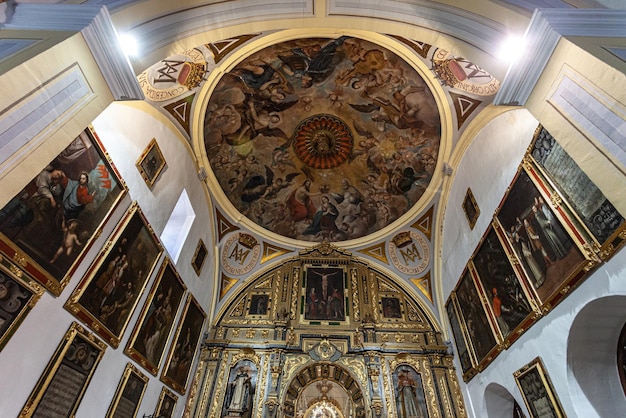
(545, 30)
(94, 23)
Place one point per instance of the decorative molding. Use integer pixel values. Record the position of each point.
(94, 23)
(543, 34)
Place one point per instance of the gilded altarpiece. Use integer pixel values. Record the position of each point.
(371, 350)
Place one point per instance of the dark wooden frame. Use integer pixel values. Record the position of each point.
(157, 317)
(199, 257)
(109, 316)
(471, 209)
(32, 232)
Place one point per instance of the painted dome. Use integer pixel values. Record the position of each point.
(322, 139)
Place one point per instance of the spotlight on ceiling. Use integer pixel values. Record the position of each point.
(129, 44)
(512, 48)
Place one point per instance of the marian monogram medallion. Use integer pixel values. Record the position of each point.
(240, 254)
(409, 252)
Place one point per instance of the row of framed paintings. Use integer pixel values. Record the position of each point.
(552, 228)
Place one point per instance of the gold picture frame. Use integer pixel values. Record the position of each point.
(50, 225)
(199, 257)
(18, 295)
(63, 384)
(151, 163)
(183, 349)
(128, 394)
(471, 209)
(167, 404)
(154, 327)
(107, 295)
(539, 396)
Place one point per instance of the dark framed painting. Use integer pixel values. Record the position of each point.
(155, 325)
(259, 304)
(391, 307)
(18, 295)
(130, 390)
(240, 390)
(199, 256)
(151, 163)
(409, 392)
(601, 219)
(510, 301)
(107, 295)
(50, 224)
(166, 405)
(325, 290)
(537, 390)
(66, 377)
(460, 339)
(479, 328)
(184, 347)
(544, 238)
(471, 209)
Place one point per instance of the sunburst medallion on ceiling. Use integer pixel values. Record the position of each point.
(322, 139)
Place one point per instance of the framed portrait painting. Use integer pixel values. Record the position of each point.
(325, 289)
(543, 238)
(166, 405)
(460, 339)
(18, 294)
(66, 377)
(480, 330)
(107, 295)
(471, 209)
(155, 324)
(498, 280)
(537, 390)
(151, 163)
(50, 224)
(129, 393)
(199, 256)
(184, 347)
(598, 215)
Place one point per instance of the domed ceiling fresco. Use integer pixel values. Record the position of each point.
(322, 139)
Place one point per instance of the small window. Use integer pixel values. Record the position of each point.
(178, 226)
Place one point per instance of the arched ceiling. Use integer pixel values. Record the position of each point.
(368, 100)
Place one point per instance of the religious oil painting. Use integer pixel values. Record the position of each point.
(51, 223)
(259, 304)
(166, 405)
(471, 209)
(325, 294)
(153, 329)
(463, 353)
(537, 390)
(107, 295)
(409, 393)
(18, 295)
(596, 212)
(323, 139)
(479, 328)
(199, 256)
(65, 379)
(510, 303)
(184, 347)
(391, 307)
(540, 238)
(151, 163)
(129, 393)
(240, 390)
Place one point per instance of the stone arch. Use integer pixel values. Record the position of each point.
(596, 330)
(313, 385)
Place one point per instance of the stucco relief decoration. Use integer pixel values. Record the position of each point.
(322, 139)
(176, 74)
(409, 252)
(240, 254)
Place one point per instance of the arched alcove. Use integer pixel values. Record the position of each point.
(592, 357)
(498, 401)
